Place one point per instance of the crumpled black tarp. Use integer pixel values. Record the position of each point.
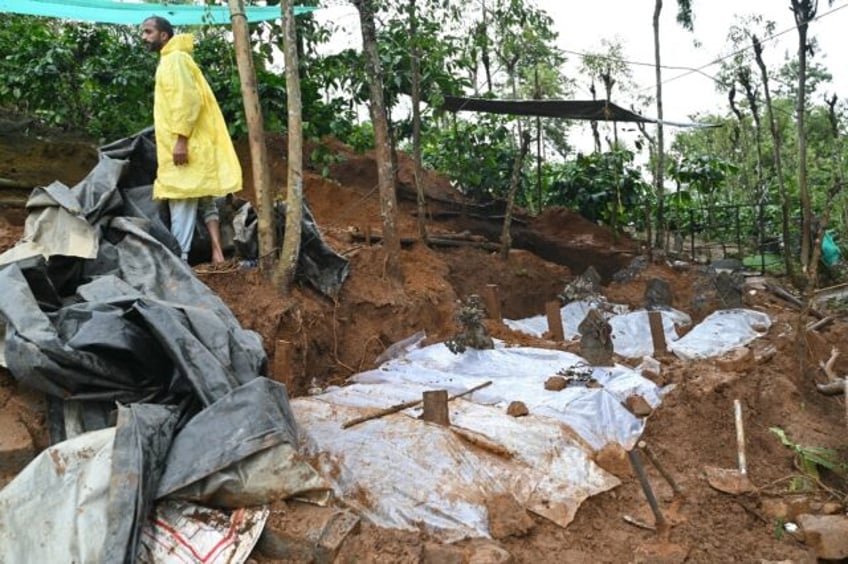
(134, 330)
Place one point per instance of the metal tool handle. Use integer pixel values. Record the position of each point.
(740, 437)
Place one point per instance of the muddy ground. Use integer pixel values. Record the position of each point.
(333, 339)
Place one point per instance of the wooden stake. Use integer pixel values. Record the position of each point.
(406, 405)
(492, 297)
(552, 309)
(283, 364)
(657, 333)
(436, 407)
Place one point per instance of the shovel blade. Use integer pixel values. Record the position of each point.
(728, 480)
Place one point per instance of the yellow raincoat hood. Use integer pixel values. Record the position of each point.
(185, 105)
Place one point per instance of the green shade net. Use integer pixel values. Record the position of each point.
(126, 13)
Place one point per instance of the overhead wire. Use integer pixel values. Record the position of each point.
(747, 48)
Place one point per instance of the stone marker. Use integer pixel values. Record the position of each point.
(658, 294)
(596, 339)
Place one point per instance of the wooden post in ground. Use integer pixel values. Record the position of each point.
(366, 231)
(492, 297)
(256, 133)
(436, 407)
(552, 309)
(657, 333)
(283, 364)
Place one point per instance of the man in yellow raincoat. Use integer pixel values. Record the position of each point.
(196, 158)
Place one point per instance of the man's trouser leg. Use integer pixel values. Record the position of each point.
(183, 219)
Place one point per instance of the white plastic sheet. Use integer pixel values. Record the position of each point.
(631, 331)
(721, 332)
(572, 314)
(519, 373)
(56, 510)
(402, 473)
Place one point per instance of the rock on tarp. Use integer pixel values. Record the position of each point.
(103, 317)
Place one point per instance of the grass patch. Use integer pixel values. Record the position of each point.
(773, 263)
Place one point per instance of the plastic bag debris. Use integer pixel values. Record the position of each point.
(183, 532)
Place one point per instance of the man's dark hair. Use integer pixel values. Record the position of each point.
(162, 24)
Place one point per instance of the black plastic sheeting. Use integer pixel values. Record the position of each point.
(133, 331)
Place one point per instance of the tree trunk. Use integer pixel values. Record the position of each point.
(806, 209)
(287, 267)
(538, 96)
(753, 104)
(256, 132)
(388, 198)
(514, 183)
(487, 64)
(609, 82)
(659, 173)
(778, 165)
(596, 136)
(418, 172)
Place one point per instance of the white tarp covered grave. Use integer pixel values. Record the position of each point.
(721, 332)
(400, 472)
(716, 335)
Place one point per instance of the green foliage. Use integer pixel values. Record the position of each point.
(478, 155)
(323, 157)
(810, 459)
(604, 187)
(80, 76)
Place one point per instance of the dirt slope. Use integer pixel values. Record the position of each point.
(330, 340)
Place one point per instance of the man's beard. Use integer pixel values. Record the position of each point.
(153, 46)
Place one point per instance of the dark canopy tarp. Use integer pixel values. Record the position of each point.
(592, 110)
